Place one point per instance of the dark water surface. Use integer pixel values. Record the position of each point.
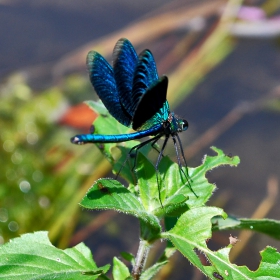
(34, 32)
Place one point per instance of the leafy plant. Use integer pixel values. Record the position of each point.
(32, 256)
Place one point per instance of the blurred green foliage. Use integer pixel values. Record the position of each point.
(38, 180)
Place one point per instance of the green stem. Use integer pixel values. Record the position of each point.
(141, 257)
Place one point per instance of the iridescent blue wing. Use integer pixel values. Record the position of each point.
(102, 78)
(145, 76)
(147, 65)
(124, 63)
(153, 107)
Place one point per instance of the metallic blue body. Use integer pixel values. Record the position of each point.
(135, 96)
(98, 138)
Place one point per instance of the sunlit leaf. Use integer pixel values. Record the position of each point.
(265, 226)
(120, 270)
(32, 256)
(110, 194)
(189, 236)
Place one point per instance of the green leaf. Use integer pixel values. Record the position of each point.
(111, 194)
(190, 234)
(32, 256)
(128, 257)
(194, 227)
(199, 182)
(120, 270)
(149, 188)
(269, 267)
(266, 226)
(218, 223)
(191, 231)
(151, 271)
(173, 188)
(175, 205)
(152, 190)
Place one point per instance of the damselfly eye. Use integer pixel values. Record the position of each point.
(185, 125)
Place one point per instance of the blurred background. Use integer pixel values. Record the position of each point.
(223, 63)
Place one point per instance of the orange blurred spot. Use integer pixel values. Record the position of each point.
(79, 116)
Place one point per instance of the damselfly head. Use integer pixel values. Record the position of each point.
(185, 125)
(182, 125)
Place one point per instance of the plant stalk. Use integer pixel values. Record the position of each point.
(141, 257)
